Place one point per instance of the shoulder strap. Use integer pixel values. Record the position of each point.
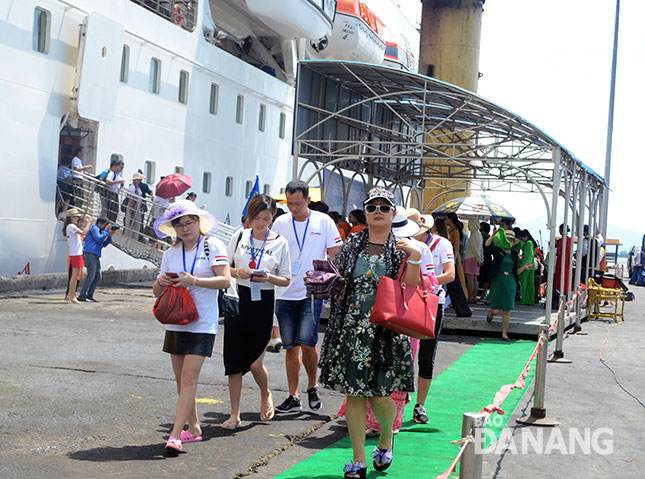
(434, 244)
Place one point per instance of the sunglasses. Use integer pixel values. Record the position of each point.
(383, 209)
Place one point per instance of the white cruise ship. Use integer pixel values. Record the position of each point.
(198, 87)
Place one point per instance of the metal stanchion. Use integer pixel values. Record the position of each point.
(470, 465)
(558, 354)
(538, 411)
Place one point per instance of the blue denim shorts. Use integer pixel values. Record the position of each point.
(296, 323)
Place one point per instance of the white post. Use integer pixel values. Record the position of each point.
(581, 216)
(552, 226)
(470, 465)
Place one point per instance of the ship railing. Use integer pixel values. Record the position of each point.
(182, 13)
(133, 214)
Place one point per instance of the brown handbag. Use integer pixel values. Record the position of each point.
(405, 309)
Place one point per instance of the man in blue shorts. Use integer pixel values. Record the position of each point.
(311, 235)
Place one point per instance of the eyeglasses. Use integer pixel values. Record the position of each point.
(187, 224)
(383, 209)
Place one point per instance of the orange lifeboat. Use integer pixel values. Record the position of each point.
(398, 54)
(357, 35)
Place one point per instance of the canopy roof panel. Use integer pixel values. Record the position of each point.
(389, 123)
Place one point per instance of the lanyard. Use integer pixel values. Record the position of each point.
(257, 265)
(429, 238)
(183, 254)
(304, 236)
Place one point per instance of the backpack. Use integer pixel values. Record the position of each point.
(101, 177)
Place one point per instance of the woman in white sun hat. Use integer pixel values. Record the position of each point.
(200, 263)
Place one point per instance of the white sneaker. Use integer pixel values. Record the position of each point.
(275, 344)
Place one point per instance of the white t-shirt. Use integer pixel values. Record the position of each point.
(77, 163)
(441, 253)
(205, 298)
(321, 235)
(275, 257)
(114, 176)
(135, 190)
(74, 241)
(427, 262)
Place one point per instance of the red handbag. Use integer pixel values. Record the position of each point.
(405, 309)
(175, 306)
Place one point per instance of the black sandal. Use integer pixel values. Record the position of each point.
(489, 317)
(355, 469)
(383, 457)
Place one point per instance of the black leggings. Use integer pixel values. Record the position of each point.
(428, 348)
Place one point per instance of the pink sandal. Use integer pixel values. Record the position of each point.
(187, 436)
(173, 445)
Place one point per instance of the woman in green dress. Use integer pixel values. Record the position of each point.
(358, 358)
(526, 270)
(503, 285)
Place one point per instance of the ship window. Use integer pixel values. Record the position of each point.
(212, 108)
(184, 78)
(262, 117)
(125, 64)
(42, 26)
(179, 169)
(228, 190)
(155, 75)
(248, 189)
(149, 168)
(392, 51)
(206, 182)
(283, 125)
(267, 189)
(239, 111)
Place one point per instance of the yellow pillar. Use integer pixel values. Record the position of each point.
(449, 51)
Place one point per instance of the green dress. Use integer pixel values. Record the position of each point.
(527, 277)
(503, 286)
(352, 371)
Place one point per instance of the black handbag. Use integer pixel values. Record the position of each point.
(518, 291)
(228, 302)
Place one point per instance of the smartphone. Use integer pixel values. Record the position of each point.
(258, 274)
(172, 275)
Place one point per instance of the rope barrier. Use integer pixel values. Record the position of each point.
(602, 347)
(500, 397)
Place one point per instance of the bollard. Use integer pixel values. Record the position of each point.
(470, 465)
(538, 411)
(558, 354)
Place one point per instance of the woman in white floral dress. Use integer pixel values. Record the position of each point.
(358, 358)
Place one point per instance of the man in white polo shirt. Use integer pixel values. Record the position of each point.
(311, 235)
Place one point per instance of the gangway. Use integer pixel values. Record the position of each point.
(137, 239)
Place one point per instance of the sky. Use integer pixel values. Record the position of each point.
(550, 63)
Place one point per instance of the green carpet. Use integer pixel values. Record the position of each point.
(467, 385)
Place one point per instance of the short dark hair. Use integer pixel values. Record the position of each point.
(176, 221)
(260, 203)
(319, 206)
(102, 220)
(80, 149)
(359, 215)
(485, 227)
(297, 185)
(116, 161)
(192, 193)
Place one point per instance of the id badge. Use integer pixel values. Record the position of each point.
(295, 267)
(256, 295)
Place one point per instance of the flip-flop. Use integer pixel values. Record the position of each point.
(173, 445)
(264, 416)
(230, 426)
(186, 436)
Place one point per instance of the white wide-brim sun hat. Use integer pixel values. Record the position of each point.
(402, 226)
(163, 227)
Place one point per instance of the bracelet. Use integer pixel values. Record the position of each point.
(414, 262)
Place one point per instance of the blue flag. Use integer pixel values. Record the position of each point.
(254, 191)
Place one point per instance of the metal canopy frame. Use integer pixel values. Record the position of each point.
(414, 131)
(404, 130)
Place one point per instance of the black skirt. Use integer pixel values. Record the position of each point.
(246, 336)
(180, 342)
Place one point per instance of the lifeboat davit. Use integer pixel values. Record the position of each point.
(357, 35)
(310, 19)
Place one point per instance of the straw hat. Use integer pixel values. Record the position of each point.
(137, 176)
(425, 222)
(73, 212)
(510, 234)
(402, 226)
(163, 227)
